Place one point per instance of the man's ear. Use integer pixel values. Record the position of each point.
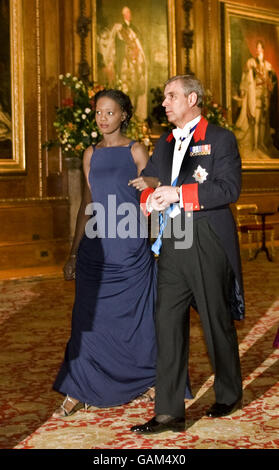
(192, 99)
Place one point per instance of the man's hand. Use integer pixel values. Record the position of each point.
(163, 197)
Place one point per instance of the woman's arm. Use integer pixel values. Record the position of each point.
(141, 157)
(82, 218)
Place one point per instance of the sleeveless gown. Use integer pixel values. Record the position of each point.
(110, 358)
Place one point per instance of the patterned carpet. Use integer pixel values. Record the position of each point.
(35, 317)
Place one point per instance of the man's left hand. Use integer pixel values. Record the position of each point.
(165, 195)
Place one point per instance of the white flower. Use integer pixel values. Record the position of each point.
(77, 85)
(61, 76)
(87, 110)
(200, 174)
(83, 116)
(75, 79)
(68, 75)
(94, 134)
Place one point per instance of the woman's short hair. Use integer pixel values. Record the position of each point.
(122, 99)
(190, 84)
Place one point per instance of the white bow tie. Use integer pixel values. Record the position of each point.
(182, 134)
(177, 133)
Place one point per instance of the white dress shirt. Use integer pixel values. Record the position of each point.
(178, 155)
(180, 149)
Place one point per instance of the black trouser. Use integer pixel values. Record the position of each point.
(202, 273)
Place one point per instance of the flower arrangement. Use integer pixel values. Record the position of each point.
(75, 122)
(214, 112)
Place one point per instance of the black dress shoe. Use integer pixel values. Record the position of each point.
(153, 426)
(220, 409)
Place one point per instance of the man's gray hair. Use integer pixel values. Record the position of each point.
(190, 84)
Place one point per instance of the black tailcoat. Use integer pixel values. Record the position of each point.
(222, 186)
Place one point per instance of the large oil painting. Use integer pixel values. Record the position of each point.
(5, 82)
(134, 47)
(251, 73)
(12, 134)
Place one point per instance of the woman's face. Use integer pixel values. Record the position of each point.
(109, 115)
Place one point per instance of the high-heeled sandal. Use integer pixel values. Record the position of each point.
(146, 397)
(62, 412)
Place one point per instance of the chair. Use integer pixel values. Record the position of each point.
(249, 223)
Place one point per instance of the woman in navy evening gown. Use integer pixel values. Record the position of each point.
(110, 357)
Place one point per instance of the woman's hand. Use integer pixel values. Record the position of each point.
(143, 182)
(70, 268)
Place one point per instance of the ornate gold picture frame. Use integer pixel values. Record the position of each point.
(12, 158)
(250, 44)
(134, 47)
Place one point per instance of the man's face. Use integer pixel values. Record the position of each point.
(176, 104)
(260, 50)
(127, 15)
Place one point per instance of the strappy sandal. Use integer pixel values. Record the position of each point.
(62, 412)
(146, 397)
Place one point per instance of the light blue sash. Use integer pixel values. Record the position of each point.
(162, 225)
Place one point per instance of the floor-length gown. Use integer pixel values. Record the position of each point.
(111, 356)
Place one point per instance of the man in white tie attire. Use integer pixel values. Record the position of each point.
(198, 166)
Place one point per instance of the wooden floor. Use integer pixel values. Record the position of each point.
(31, 273)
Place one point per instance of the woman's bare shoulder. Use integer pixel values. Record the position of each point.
(88, 152)
(138, 148)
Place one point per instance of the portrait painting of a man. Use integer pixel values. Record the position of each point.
(131, 54)
(254, 87)
(124, 60)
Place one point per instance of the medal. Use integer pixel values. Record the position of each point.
(181, 140)
(200, 174)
